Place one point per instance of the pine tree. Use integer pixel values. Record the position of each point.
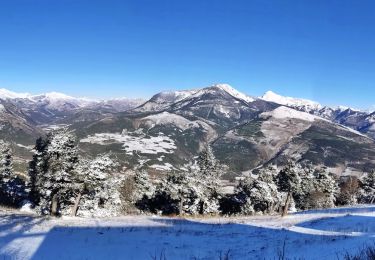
(52, 173)
(349, 190)
(289, 182)
(325, 188)
(144, 193)
(185, 188)
(97, 187)
(37, 167)
(302, 197)
(196, 191)
(143, 185)
(12, 187)
(208, 182)
(6, 162)
(259, 194)
(368, 188)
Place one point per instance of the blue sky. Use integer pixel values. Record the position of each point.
(322, 49)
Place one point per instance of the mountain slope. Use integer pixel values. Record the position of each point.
(245, 133)
(169, 130)
(283, 133)
(355, 119)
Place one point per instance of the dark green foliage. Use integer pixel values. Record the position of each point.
(250, 129)
(288, 179)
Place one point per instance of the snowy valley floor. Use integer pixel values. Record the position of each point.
(325, 234)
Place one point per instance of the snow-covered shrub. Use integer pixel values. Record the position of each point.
(255, 195)
(99, 192)
(196, 191)
(349, 190)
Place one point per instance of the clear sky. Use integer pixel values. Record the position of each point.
(321, 49)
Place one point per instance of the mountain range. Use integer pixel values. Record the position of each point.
(167, 131)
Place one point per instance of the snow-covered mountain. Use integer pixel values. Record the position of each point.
(49, 107)
(353, 118)
(169, 129)
(301, 104)
(244, 132)
(59, 101)
(7, 94)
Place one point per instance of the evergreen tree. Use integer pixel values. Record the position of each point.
(143, 185)
(207, 179)
(306, 188)
(52, 173)
(368, 188)
(325, 188)
(12, 187)
(144, 192)
(349, 190)
(97, 187)
(259, 194)
(196, 191)
(37, 166)
(288, 181)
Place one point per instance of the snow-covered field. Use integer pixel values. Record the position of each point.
(135, 142)
(310, 235)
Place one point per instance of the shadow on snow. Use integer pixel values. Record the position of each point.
(172, 238)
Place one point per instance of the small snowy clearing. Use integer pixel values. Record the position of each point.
(133, 142)
(317, 234)
(167, 118)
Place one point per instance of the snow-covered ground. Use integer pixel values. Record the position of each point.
(310, 235)
(135, 142)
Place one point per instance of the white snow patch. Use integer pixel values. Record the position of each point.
(133, 142)
(166, 118)
(286, 112)
(163, 167)
(27, 207)
(27, 147)
(225, 111)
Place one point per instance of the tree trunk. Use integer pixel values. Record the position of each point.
(287, 202)
(76, 204)
(201, 207)
(181, 206)
(54, 205)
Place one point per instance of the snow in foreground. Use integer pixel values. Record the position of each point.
(312, 235)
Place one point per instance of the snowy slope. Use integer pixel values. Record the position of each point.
(306, 105)
(311, 235)
(235, 93)
(285, 113)
(7, 94)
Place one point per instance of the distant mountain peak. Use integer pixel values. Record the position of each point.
(292, 102)
(7, 94)
(57, 95)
